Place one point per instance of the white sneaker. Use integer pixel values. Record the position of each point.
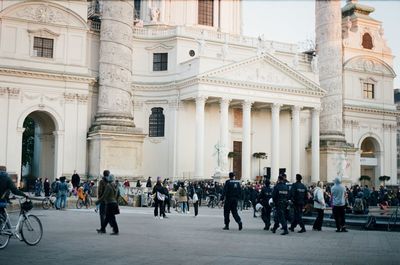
(188, 212)
(161, 217)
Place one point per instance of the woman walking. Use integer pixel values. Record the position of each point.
(182, 197)
(109, 197)
(319, 205)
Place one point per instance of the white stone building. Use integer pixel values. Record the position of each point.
(169, 88)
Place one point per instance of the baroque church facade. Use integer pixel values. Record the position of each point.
(173, 89)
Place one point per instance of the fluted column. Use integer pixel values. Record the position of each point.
(246, 142)
(275, 111)
(295, 153)
(224, 135)
(199, 155)
(115, 64)
(315, 146)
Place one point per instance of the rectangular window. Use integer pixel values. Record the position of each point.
(369, 90)
(160, 61)
(206, 12)
(43, 47)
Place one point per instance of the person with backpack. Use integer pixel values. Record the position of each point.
(231, 193)
(182, 197)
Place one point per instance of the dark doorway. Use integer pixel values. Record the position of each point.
(237, 159)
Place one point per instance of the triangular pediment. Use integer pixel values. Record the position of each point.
(264, 70)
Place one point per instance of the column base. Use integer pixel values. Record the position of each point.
(116, 148)
(338, 159)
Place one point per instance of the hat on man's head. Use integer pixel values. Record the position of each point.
(106, 173)
(231, 174)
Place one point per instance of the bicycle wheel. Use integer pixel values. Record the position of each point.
(79, 204)
(46, 203)
(4, 235)
(31, 230)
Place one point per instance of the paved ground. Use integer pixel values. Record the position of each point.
(70, 238)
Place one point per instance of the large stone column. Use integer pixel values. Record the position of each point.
(275, 141)
(246, 147)
(114, 142)
(328, 32)
(315, 161)
(295, 142)
(224, 135)
(199, 147)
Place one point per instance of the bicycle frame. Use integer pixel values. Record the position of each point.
(14, 230)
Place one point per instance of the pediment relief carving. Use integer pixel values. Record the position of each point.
(49, 13)
(159, 46)
(43, 32)
(369, 65)
(264, 70)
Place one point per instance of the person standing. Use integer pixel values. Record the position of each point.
(263, 199)
(62, 193)
(194, 197)
(298, 195)
(46, 187)
(100, 192)
(319, 205)
(75, 180)
(148, 183)
(159, 198)
(280, 196)
(231, 193)
(109, 198)
(182, 197)
(338, 205)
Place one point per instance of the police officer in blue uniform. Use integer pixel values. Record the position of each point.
(280, 196)
(298, 195)
(263, 199)
(231, 194)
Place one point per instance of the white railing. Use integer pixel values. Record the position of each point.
(94, 8)
(94, 25)
(211, 35)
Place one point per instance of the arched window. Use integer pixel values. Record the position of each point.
(156, 123)
(367, 41)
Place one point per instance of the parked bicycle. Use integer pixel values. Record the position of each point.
(49, 201)
(394, 219)
(28, 228)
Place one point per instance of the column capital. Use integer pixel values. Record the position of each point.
(276, 107)
(316, 111)
(201, 99)
(225, 101)
(247, 103)
(296, 108)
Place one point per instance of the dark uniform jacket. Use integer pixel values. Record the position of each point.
(7, 184)
(265, 195)
(280, 194)
(232, 190)
(298, 193)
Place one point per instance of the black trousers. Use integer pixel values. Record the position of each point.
(280, 217)
(339, 215)
(266, 215)
(196, 208)
(102, 214)
(231, 206)
(159, 204)
(320, 218)
(298, 216)
(110, 219)
(167, 205)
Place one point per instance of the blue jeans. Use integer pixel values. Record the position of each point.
(183, 206)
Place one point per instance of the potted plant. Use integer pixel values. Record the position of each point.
(231, 155)
(384, 179)
(259, 156)
(364, 178)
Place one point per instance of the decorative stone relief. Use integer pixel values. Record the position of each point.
(82, 98)
(368, 65)
(3, 91)
(43, 13)
(13, 92)
(69, 97)
(154, 15)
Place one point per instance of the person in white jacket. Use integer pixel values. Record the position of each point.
(319, 205)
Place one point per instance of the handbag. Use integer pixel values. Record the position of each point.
(195, 198)
(113, 208)
(160, 196)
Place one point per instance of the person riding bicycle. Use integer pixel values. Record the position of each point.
(83, 195)
(6, 185)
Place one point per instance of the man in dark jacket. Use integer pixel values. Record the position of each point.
(231, 194)
(100, 191)
(280, 196)
(298, 195)
(263, 199)
(6, 185)
(75, 180)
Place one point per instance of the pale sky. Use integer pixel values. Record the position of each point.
(293, 21)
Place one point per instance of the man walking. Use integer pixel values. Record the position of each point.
(231, 194)
(100, 191)
(263, 199)
(280, 197)
(298, 195)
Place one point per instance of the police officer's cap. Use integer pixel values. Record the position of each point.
(231, 174)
